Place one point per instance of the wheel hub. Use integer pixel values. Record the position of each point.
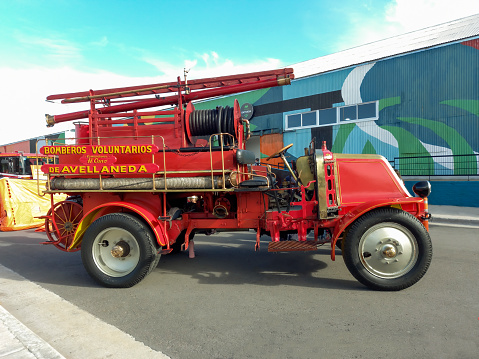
(68, 226)
(120, 250)
(389, 251)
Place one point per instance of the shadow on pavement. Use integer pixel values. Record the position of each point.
(233, 261)
(225, 258)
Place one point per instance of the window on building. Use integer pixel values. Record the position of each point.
(327, 116)
(294, 121)
(348, 113)
(367, 110)
(309, 119)
(305, 119)
(333, 116)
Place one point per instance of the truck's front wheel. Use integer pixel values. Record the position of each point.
(118, 250)
(387, 249)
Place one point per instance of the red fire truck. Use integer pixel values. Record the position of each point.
(143, 182)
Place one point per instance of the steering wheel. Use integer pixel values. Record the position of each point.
(280, 152)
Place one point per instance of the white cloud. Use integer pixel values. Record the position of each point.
(205, 58)
(53, 48)
(101, 43)
(399, 17)
(190, 64)
(211, 64)
(164, 67)
(228, 67)
(23, 92)
(410, 15)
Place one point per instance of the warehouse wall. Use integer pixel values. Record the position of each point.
(427, 105)
(30, 146)
(19, 146)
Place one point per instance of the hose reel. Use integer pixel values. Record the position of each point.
(209, 122)
(204, 123)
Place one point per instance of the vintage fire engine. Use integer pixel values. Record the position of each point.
(142, 183)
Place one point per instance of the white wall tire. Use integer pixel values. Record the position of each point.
(118, 250)
(387, 249)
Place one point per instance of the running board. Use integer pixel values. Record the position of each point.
(292, 246)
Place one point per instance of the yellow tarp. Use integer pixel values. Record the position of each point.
(20, 204)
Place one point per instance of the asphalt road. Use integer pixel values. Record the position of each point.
(232, 302)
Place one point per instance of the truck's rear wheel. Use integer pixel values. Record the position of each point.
(118, 250)
(387, 249)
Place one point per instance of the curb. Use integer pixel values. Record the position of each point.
(445, 215)
(37, 308)
(442, 220)
(20, 342)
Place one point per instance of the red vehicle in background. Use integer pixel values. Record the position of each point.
(142, 182)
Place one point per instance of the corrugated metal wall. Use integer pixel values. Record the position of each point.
(428, 105)
(427, 101)
(19, 146)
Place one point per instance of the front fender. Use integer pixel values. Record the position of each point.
(157, 228)
(363, 208)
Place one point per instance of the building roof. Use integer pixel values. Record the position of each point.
(41, 137)
(460, 29)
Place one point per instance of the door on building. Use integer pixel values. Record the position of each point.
(270, 144)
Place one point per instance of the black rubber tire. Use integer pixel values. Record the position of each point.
(339, 244)
(143, 242)
(156, 260)
(409, 231)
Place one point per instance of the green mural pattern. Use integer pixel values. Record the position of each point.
(387, 102)
(471, 106)
(343, 133)
(369, 148)
(454, 140)
(410, 146)
(247, 97)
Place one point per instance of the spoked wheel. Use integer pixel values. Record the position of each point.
(387, 249)
(118, 250)
(61, 223)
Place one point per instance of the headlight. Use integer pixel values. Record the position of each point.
(422, 189)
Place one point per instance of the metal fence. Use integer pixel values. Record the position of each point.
(445, 165)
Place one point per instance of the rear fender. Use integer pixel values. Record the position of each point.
(158, 230)
(343, 224)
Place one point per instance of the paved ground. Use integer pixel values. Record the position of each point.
(20, 341)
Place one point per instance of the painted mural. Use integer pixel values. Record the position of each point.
(428, 110)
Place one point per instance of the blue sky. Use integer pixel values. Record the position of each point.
(56, 46)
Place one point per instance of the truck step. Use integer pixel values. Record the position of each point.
(291, 246)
